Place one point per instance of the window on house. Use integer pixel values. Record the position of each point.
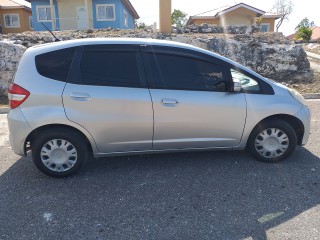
(125, 18)
(44, 14)
(31, 22)
(106, 12)
(265, 27)
(11, 20)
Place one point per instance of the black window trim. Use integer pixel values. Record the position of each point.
(74, 72)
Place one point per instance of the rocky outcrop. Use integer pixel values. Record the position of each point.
(10, 55)
(207, 28)
(270, 54)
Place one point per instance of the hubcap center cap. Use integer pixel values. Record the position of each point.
(271, 144)
(59, 156)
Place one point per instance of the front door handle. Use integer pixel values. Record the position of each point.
(80, 96)
(169, 101)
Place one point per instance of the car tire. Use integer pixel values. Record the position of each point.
(59, 152)
(272, 141)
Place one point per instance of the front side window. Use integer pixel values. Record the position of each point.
(247, 83)
(184, 73)
(44, 14)
(110, 68)
(106, 12)
(11, 20)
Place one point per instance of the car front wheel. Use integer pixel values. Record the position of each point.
(272, 141)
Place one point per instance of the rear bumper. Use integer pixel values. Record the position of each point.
(19, 129)
(305, 117)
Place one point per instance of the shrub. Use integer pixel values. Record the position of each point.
(304, 33)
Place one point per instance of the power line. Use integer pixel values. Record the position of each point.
(211, 10)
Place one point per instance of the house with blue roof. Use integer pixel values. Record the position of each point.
(82, 14)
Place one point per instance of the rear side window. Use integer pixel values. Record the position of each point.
(175, 72)
(110, 68)
(56, 64)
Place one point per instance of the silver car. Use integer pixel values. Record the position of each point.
(103, 97)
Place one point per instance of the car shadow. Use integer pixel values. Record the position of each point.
(197, 195)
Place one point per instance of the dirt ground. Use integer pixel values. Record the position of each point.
(314, 86)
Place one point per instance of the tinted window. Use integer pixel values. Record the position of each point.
(108, 68)
(184, 73)
(247, 83)
(56, 64)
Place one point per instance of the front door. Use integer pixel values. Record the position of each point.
(193, 107)
(81, 18)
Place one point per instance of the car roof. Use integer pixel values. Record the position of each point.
(97, 41)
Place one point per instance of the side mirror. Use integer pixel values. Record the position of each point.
(236, 85)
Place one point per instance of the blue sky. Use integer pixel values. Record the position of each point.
(149, 9)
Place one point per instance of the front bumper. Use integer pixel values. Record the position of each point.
(19, 129)
(305, 117)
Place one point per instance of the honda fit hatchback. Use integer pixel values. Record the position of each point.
(102, 97)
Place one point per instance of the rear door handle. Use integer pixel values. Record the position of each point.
(80, 96)
(169, 101)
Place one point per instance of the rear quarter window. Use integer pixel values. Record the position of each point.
(56, 64)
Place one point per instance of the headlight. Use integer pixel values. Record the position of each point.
(297, 96)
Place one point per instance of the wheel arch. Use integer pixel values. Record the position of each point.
(52, 127)
(295, 123)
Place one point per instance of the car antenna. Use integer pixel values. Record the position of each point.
(56, 39)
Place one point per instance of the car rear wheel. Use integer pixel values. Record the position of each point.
(59, 152)
(272, 141)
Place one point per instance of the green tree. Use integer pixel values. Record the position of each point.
(304, 30)
(178, 18)
(283, 8)
(305, 23)
(304, 33)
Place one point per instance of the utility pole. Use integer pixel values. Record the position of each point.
(165, 16)
(53, 15)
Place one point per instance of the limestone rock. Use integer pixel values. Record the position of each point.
(10, 55)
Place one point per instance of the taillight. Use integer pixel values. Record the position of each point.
(17, 95)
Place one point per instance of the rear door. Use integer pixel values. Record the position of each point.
(107, 95)
(192, 101)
